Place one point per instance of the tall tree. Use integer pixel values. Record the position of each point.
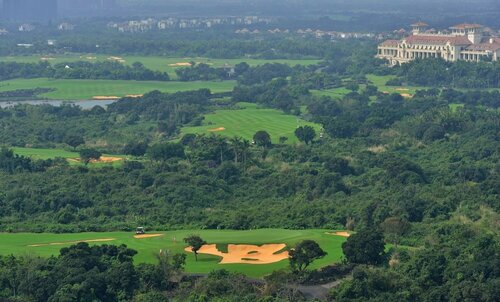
(262, 138)
(87, 155)
(365, 247)
(305, 134)
(195, 242)
(304, 253)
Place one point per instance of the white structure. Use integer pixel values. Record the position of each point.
(65, 26)
(465, 42)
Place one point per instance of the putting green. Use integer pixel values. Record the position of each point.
(40, 244)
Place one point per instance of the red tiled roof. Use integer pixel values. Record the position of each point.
(465, 26)
(437, 40)
(390, 43)
(484, 46)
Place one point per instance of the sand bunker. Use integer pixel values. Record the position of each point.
(105, 98)
(402, 89)
(180, 64)
(134, 95)
(46, 59)
(147, 236)
(106, 159)
(248, 254)
(342, 234)
(406, 95)
(72, 242)
(103, 159)
(217, 129)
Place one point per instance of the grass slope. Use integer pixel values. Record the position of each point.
(18, 244)
(87, 89)
(152, 62)
(245, 122)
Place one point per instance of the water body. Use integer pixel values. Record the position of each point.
(84, 104)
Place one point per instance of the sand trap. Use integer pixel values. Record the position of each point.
(103, 159)
(180, 64)
(72, 242)
(134, 95)
(402, 89)
(46, 59)
(406, 95)
(248, 254)
(147, 236)
(105, 98)
(217, 129)
(342, 234)
(107, 159)
(115, 58)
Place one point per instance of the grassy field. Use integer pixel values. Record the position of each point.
(72, 157)
(245, 122)
(379, 81)
(164, 64)
(87, 89)
(18, 244)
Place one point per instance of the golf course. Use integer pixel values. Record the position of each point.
(157, 63)
(47, 245)
(65, 89)
(247, 120)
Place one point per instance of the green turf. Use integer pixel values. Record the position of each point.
(147, 248)
(247, 121)
(36, 153)
(152, 62)
(87, 89)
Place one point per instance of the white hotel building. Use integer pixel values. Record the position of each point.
(465, 42)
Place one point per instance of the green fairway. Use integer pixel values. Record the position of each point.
(87, 89)
(245, 122)
(18, 244)
(72, 157)
(164, 64)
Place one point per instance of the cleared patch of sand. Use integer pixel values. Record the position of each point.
(217, 129)
(247, 254)
(377, 149)
(72, 242)
(147, 236)
(105, 97)
(103, 159)
(342, 234)
(180, 64)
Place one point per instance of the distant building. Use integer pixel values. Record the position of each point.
(465, 42)
(26, 27)
(65, 26)
(30, 10)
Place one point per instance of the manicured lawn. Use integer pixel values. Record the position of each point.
(72, 157)
(87, 89)
(18, 244)
(245, 122)
(158, 63)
